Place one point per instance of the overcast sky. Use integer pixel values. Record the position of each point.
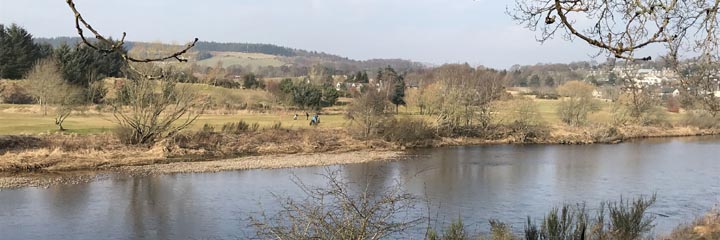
(431, 31)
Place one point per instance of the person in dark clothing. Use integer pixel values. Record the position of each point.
(307, 116)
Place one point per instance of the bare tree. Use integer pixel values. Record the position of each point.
(466, 94)
(577, 103)
(637, 99)
(44, 82)
(151, 110)
(367, 112)
(687, 29)
(336, 211)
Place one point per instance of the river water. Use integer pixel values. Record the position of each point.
(505, 182)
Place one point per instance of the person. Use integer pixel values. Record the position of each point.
(307, 116)
(295, 117)
(313, 121)
(317, 118)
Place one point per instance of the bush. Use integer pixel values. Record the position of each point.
(656, 116)
(456, 231)
(500, 230)
(625, 219)
(574, 110)
(240, 127)
(227, 83)
(13, 93)
(407, 131)
(335, 211)
(124, 134)
(701, 119)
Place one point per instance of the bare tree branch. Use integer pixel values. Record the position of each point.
(80, 22)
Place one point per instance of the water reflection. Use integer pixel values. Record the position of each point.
(503, 182)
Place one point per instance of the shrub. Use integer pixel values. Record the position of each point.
(526, 122)
(124, 134)
(656, 116)
(579, 102)
(628, 219)
(500, 230)
(701, 119)
(240, 127)
(650, 116)
(574, 110)
(625, 219)
(456, 231)
(227, 83)
(13, 93)
(335, 211)
(406, 131)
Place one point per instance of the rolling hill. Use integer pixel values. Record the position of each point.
(254, 56)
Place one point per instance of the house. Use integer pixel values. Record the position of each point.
(668, 91)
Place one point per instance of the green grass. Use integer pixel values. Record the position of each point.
(25, 119)
(35, 123)
(253, 60)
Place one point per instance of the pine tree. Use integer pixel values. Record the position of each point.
(18, 52)
(398, 95)
(83, 66)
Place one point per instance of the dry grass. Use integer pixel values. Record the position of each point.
(58, 152)
(705, 228)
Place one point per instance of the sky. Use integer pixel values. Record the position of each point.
(478, 32)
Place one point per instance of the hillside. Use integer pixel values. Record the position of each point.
(254, 55)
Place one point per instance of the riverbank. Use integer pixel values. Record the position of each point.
(42, 160)
(49, 178)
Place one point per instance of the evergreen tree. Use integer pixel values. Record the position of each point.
(398, 93)
(329, 95)
(83, 66)
(18, 52)
(250, 81)
(394, 86)
(306, 95)
(364, 77)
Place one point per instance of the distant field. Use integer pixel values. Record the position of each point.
(243, 59)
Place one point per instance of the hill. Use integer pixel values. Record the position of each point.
(255, 56)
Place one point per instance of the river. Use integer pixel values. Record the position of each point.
(505, 182)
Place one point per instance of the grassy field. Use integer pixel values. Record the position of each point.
(27, 119)
(253, 60)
